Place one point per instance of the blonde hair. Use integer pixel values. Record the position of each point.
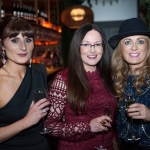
(120, 70)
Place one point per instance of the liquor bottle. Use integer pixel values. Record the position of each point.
(24, 12)
(14, 9)
(18, 10)
(21, 11)
(39, 16)
(34, 15)
(29, 13)
(2, 11)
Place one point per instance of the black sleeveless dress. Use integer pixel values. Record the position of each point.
(17, 108)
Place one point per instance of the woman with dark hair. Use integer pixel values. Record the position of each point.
(79, 94)
(20, 117)
(131, 71)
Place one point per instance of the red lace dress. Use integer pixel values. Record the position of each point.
(74, 131)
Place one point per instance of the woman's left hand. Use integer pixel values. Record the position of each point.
(139, 111)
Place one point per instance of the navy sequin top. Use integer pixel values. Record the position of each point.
(141, 127)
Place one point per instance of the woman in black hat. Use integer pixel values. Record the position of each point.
(131, 74)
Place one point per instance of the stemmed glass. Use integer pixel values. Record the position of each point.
(130, 100)
(108, 112)
(39, 94)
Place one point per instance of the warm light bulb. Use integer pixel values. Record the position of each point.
(77, 14)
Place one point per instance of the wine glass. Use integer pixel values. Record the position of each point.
(108, 112)
(130, 101)
(39, 94)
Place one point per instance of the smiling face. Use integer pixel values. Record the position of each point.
(18, 49)
(135, 50)
(91, 50)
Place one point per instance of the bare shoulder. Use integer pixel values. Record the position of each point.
(3, 76)
(8, 87)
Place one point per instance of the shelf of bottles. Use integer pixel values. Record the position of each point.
(47, 35)
(34, 15)
(24, 11)
(29, 13)
(48, 47)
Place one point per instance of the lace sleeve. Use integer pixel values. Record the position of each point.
(69, 131)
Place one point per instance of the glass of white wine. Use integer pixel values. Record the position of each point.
(39, 94)
(130, 100)
(108, 112)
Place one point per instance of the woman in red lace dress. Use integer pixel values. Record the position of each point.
(79, 94)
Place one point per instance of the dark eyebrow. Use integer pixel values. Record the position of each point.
(95, 42)
(13, 37)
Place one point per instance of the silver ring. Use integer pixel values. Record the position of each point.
(139, 113)
(43, 110)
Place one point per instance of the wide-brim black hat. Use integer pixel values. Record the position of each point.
(129, 27)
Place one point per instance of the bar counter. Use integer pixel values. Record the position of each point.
(53, 70)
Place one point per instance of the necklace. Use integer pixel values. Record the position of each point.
(145, 131)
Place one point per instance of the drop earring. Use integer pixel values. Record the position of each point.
(3, 58)
(30, 61)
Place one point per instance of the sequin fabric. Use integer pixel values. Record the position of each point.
(141, 128)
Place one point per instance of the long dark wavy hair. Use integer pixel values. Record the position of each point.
(12, 26)
(78, 86)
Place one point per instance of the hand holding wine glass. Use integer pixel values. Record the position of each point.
(38, 95)
(129, 101)
(107, 112)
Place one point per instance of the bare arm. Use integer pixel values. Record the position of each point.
(33, 116)
(11, 130)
